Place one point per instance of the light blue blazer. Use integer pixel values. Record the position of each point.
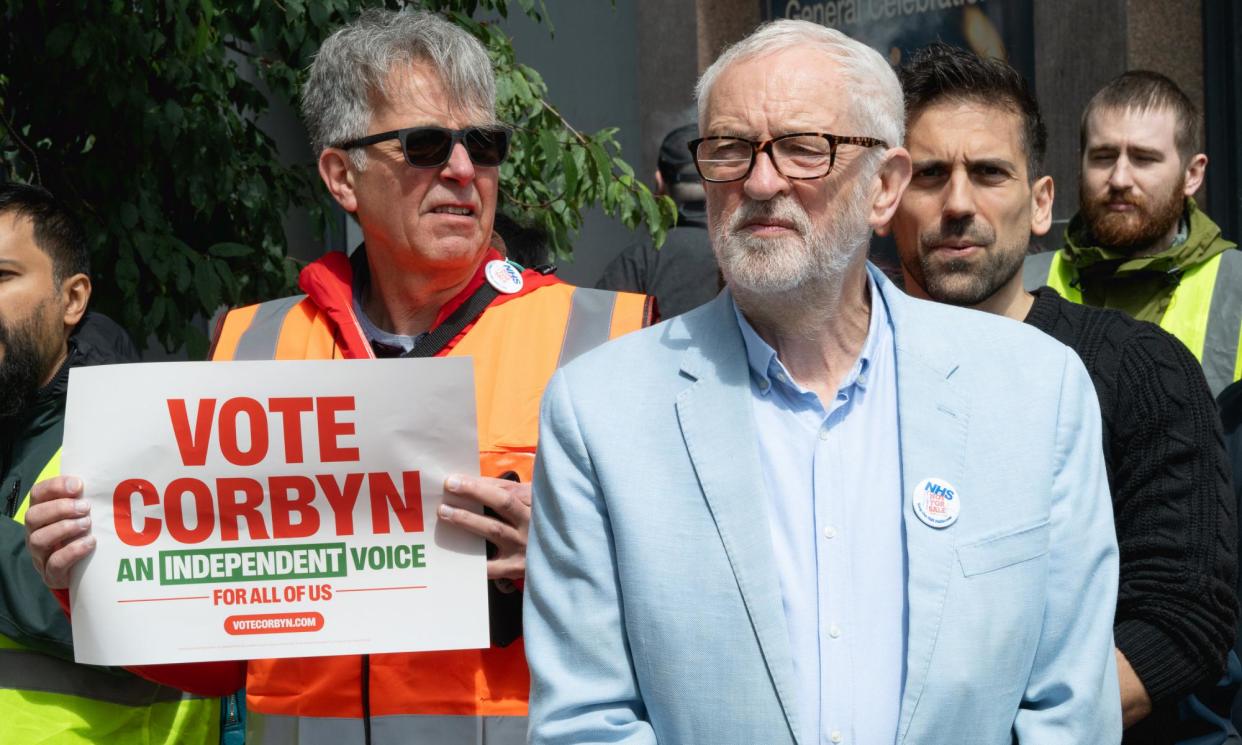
(653, 610)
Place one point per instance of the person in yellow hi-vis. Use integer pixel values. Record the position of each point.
(44, 331)
(1139, 242)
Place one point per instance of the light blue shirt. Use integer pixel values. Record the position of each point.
(833, 478)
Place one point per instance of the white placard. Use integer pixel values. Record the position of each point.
(250, 510)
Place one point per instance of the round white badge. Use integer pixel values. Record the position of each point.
(504, 276)
(937, 502)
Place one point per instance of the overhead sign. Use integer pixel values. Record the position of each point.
(273, 509)
(990, 28)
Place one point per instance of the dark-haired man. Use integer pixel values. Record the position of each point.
(44, 331)
(1139, 242)
(976, 195)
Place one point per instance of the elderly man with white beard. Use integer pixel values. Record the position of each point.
(816, 510)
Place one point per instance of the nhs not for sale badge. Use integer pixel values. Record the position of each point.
(249, 510)
(936, 502)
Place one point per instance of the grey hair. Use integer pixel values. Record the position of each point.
(876, 106)
(356, 62)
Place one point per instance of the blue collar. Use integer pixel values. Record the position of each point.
(766, 369)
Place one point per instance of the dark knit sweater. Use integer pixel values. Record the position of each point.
(1172, 500)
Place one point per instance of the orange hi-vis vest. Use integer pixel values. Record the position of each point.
(438, 698)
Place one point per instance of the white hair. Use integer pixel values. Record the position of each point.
(356, 63)
(876, 105)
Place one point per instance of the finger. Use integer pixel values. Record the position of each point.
(59, 564)
(508, 499)
(495, 531)
(59, 487)
(60, 509)
(45, 541)
(507, 568)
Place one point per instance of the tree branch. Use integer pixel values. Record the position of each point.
(530, 206)
(564, 122)
(246, 52)
(8, 127)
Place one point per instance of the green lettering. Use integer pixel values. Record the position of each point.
(135, 570)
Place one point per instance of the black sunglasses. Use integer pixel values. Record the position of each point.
(430, 147)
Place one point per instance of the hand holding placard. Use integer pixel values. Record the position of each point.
(270, 509)
(511, 501)
(58, 527)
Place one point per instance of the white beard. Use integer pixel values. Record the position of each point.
(766, 267)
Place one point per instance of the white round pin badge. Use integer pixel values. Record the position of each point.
(937, 502)
(504, 276)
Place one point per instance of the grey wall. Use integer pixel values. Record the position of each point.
(667, 71)
(1068, 71)
(591, 68)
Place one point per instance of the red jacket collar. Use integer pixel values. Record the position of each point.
(328, 282)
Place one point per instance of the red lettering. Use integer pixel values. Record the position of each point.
(122, 517)
(231, 510)
(174, 510)
(291, 411)
(331, 430)
(293, 494)
(341, 500)
(228, 431)
(193, 447)
(409, 510)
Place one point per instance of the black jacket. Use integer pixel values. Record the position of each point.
(681, 275)
(28, 613)
(1173, 503)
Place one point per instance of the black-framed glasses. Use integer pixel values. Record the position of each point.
(430, 147)
(800, 155)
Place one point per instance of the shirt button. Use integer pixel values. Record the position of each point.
(781, 377)
(834, 631)
(836, 736)
(823, 433)
(830, 532)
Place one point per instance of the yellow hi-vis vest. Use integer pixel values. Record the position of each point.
(1205, 312)
(45, 700)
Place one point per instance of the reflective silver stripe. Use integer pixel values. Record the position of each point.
(258, 342)
(1035, 270)
(23, 670)
(275, 729)
(1220, 340)
(590, 322)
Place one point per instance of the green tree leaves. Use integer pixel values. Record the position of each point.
(148, 117)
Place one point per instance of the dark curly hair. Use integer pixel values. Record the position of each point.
(941, 72)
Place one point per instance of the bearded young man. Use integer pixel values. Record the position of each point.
(1139, 242)
(827, 531)
(977, 194)
(45, 331)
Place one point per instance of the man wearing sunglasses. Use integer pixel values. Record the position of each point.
(853, 517)
(401, 108)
